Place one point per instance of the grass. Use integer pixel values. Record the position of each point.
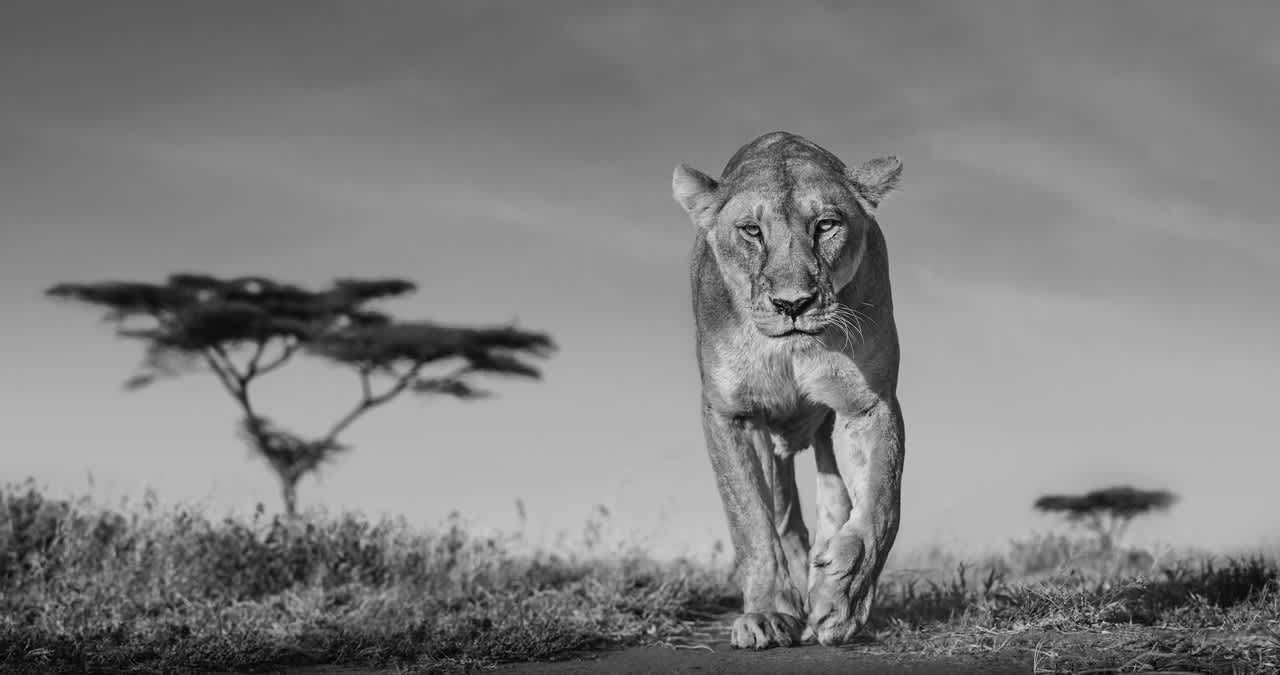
(1193, 616)
(85, 588)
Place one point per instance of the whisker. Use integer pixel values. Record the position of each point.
(853, 319)
(856, 316)
(860, 314)
(831, 318)
(845, 325)
(848, 337)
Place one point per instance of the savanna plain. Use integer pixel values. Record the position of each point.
(147, 587)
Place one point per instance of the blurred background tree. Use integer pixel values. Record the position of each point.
(1106, 512)
(242, 329)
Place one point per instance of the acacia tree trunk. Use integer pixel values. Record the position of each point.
(285, 465)
(1118, 530)
(1104, 528)
(1109, 529)
(1105, 541)
(289, 493)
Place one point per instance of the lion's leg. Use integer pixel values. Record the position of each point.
(772, 607)
(788, 518)
(833, 502)
(868, 451)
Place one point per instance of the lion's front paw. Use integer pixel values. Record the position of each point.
(834, 629)
(762, 630)
(839, 608)
(841, 591)
(833, 618)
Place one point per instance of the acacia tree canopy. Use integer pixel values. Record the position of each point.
(195, 312)
(1107, 512)
(192, 320)
(1124, 501)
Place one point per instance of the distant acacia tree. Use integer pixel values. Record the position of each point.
(1107, 512)
(242, 329)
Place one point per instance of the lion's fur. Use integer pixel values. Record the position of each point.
(775, 383)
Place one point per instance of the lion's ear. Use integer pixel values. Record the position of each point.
(695, 192)
(877, 178)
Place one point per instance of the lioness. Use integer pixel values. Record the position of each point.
(797, 347)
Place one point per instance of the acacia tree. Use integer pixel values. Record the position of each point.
(1107, 512)
(242, 329)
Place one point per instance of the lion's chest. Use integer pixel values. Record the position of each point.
(757, 386)
(782, 384)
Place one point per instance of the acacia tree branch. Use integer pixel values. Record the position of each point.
(369, 401)
(287, 351)
(235, 382)
(227, 363)
(251, 369)
(366, 387)
(228, 380)
(222, 364)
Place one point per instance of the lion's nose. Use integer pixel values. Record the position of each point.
(793, 305)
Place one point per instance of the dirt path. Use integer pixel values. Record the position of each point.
(706, 651)
(797, 660)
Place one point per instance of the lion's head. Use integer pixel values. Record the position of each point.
(788, 225)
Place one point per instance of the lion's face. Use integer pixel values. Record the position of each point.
(789, 232)
(787, 255)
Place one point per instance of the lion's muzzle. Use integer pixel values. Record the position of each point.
(792, 305)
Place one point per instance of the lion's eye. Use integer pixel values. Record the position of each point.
(827, 225)
(750, 229)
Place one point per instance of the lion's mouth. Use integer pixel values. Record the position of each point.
(799, 331)
(808, 325)
(795, 330)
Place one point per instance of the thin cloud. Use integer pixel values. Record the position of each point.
(1099, 188)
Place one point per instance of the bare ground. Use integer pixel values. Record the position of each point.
(720, 658)
(707, 650)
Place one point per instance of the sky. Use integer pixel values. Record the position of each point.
(1084, 245)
